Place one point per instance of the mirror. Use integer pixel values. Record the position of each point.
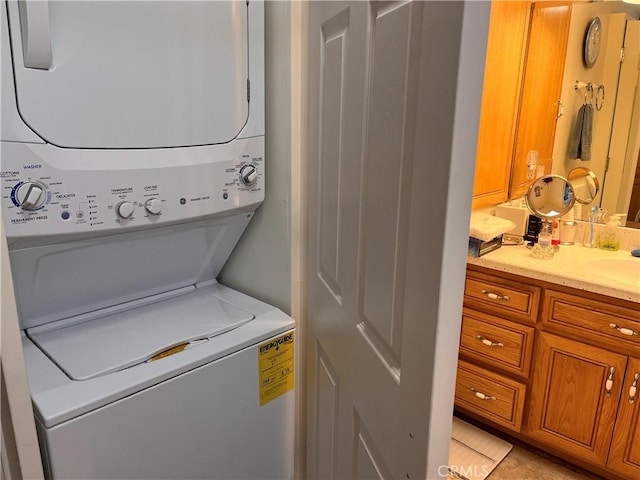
(615, 131)
(550, 197)
(585, 185)
(615, 146)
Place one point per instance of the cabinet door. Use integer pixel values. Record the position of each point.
(624, 457)
(501, 92)
(574, 396)
(541, 89)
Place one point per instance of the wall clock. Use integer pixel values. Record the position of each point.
(592, 42)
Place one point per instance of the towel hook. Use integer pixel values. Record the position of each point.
(599, 97)
(589, 92)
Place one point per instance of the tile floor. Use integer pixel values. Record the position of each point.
(529, 463)
(524, 464)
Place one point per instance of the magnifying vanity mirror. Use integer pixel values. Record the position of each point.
(585, 185)
(548, 198)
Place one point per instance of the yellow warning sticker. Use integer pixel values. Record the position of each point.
(275, 367)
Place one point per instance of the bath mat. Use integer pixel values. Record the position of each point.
(474, 453)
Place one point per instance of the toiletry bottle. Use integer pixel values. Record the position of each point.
(610, 237)
(555, 233)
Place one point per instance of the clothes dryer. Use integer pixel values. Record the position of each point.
(132, 162)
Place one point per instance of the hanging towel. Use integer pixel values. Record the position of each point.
(587, 134)
(574, 141)
(580, 141)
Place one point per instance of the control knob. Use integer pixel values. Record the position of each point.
(153, 206)
(30, 195)
(248, 174)
(125, 210)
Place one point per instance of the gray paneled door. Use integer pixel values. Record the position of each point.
(381, 92)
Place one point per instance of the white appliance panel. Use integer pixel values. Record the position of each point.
(74, 277)
(106, 344)
(206, 423)
(95, 74)
(80, 197)
(57, 398)
(12, 128)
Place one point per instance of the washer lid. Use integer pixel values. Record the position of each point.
(107, 344)
(105, 74)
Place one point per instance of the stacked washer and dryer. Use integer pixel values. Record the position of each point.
(132, 159)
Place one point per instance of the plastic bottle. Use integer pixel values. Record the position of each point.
(555, 233)
(610, 238)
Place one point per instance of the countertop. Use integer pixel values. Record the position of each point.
(569, 267)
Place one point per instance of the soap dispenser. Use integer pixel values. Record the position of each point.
(610, 237)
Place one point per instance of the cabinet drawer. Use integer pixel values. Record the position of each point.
(507, 298)
(580, 315)
(490, 395)
(496, 342)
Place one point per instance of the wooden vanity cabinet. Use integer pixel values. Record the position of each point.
(562, 364)
(624, 456)
(496, 346)
(574, 396)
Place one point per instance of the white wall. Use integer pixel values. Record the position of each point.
(260, 265)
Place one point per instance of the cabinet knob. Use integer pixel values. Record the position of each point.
(608, 386)
(624, 331)
(494, 295)
(633, 389)
(482, 396)
(488, 342)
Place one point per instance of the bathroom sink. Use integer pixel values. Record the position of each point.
(625, 270)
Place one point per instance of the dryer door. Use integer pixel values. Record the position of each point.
(104, 74)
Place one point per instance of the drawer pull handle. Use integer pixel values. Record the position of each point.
(482, 396)
(633, 389)
(608, 386)
(624, 331)
(495, 295)
(488, 342)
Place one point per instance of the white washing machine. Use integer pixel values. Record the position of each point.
(132, 159)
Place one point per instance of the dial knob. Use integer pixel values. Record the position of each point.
(248, 174)
(124, 209)
(31, 195)
(153, 206)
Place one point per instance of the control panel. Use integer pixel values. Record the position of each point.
(50, 191)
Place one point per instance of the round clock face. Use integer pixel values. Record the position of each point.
(592, 42)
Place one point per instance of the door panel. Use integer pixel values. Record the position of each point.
(570, 407)
(624, 456)
(369, 463)
(335, 35)
(327, 416)
(384, 214)
(539, 106)
(373, 68)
